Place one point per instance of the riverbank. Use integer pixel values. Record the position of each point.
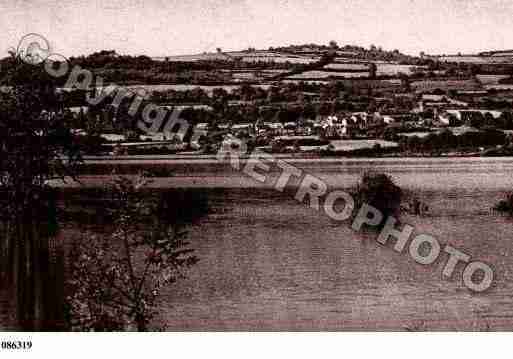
(185, 158)
(180, 173)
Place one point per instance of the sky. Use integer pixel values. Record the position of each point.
(177, 27)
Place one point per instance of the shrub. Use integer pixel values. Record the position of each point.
(379, 191)
(116, 278)
(505, 205)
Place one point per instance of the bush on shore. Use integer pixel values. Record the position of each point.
(505, 205)
(379, 191)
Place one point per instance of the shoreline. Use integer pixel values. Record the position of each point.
(182, 173)
(190, 158)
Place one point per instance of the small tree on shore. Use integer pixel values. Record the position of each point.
(379, 191)
(506, 205)
(117, 278)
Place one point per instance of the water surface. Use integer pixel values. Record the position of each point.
(270, 263)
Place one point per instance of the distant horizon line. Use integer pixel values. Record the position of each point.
(474, 53)
(487, 52)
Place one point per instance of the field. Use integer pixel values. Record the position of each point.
(352, 145)
(477, 59)
(265, 56)
(348, 66)
(193, 58)
(297, 81)
(491, 79)
(254, 75)
(318, 74)
(280, 59)
(175, 87)
(430, 85)
(344, 67)
(499, 87)
(492, 82)
(385, 69)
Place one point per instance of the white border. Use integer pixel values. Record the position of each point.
(260, 345)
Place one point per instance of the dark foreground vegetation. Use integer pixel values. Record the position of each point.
(33, 143)
(115, 278)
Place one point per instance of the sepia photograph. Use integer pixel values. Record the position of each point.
(255, 166)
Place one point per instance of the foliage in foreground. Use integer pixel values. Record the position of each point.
(35, 148)
(116, 278)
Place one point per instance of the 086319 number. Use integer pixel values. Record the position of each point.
(16, 345)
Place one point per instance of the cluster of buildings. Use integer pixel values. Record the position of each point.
(432, 110)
